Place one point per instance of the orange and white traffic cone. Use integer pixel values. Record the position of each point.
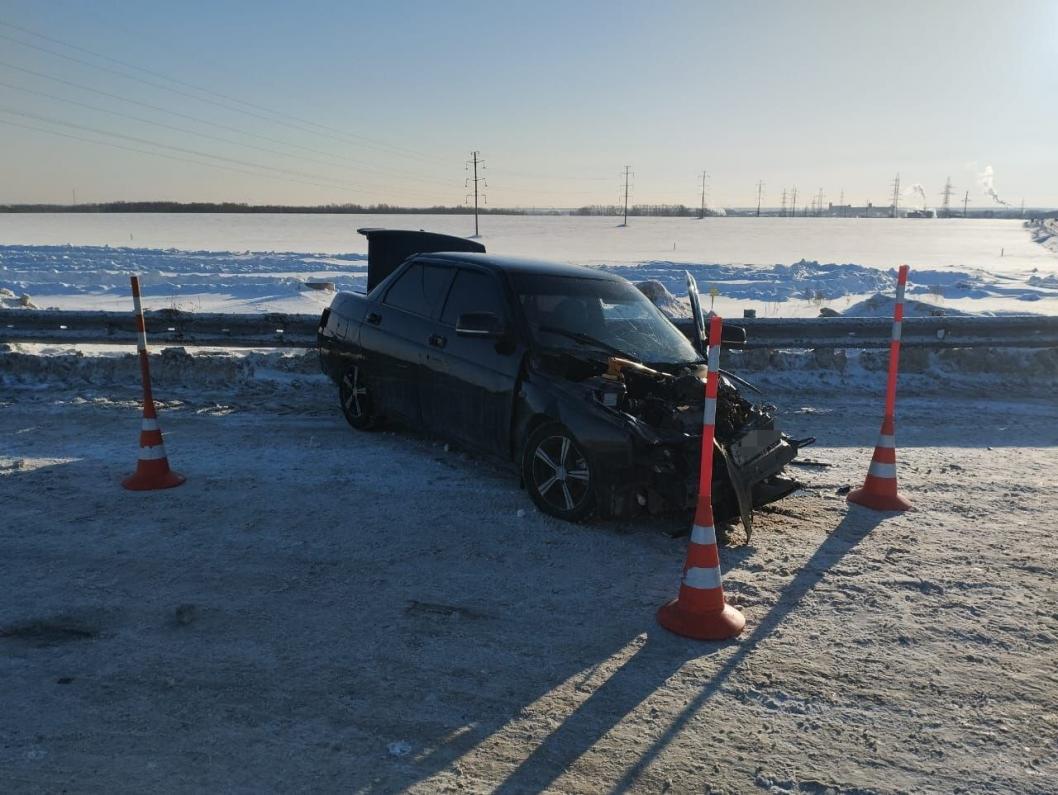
(879, 489)
(152, 468)
(700, 611)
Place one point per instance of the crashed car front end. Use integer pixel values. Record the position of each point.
(643, 428)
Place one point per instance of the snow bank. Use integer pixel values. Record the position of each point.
(96, 277)
(9, 300)
(173, 371)
(880, 305)
(1045, 233)
(808, 280)
(245, 280)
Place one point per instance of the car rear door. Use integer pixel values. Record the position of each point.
(469, 382)
(396, 335)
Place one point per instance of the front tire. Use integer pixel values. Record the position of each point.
(355, 399)
(558, 474)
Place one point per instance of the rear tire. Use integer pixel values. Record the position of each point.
(355, 400)
(558, 474)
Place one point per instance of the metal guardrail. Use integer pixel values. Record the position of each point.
(1014, 331)
(169, 327)
(164, 327)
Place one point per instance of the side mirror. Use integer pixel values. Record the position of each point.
(480, 324)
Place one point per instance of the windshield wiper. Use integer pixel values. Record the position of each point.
(587, 339)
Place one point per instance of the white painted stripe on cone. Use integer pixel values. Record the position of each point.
(900, 291)
(880, 470)
(152, 453)
(150, 425)
(714, 358)
(886, 441)
(709, 415)
(702, 578)
(703, 534)
(896, 330)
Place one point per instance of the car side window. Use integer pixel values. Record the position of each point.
(473, 291)
(420, 289)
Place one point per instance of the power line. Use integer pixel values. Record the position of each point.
(527, 175)
(199, 120)
(159, 154)
(192, 86)
(627, 174)
(187, 131)
(185, 151)
(333, 159)
(946, 206)
(297, 124)
(476, 161)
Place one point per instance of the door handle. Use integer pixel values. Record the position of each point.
(374, 318)
(438, 341)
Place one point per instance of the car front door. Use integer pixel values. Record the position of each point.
(469, 381)
(396, 336)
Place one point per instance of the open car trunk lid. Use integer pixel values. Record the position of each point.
(388, 248)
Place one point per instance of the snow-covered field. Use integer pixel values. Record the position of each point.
(322, 610)
(777, 266)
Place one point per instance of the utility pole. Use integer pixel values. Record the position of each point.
(965, 202)
(819, 203)
(628, 173)
(841, 203)
(75, 195)
(946, 206)
(1022, 208)
(704, 179)
(760, 191)
(475, 161)
(793, 203)
(782, 211)
(896, 196)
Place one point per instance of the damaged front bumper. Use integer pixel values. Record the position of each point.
(747, 474)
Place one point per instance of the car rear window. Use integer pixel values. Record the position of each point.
(420, 289)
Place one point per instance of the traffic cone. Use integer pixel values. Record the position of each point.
(152, 468)
(700, 611)
(879, 488)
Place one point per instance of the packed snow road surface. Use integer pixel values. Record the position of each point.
(322, 610)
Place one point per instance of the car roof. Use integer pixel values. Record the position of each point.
(520, 265)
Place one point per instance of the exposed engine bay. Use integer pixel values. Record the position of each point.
(666, 401)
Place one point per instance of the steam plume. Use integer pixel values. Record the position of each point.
(987, 180)
(917, 188)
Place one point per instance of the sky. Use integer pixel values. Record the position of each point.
(336, 102)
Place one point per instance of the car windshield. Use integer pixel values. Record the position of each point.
(607, 314)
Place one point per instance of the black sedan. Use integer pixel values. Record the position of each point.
(570, 373)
